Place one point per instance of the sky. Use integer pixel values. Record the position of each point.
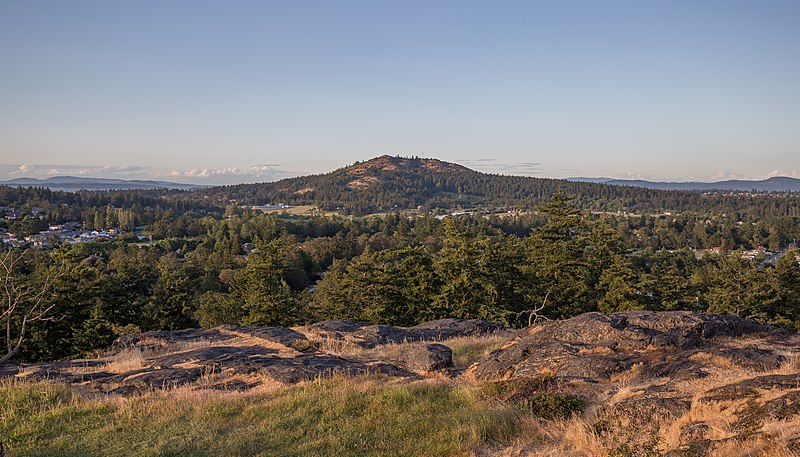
(220, 92)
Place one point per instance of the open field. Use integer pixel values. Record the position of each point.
(300, 210)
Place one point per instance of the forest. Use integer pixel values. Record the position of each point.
(206, 264)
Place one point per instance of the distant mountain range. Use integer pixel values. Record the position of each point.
(776, 184)
(72, 183)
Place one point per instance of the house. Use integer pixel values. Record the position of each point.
(92, 260)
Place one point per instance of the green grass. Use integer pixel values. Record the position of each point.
(337, 417)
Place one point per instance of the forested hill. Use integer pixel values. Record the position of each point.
(386, 183)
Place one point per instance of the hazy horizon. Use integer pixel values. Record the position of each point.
(211, 93)
(268, 173)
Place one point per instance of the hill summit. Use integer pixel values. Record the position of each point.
(366, 174)
(407, 164)
(397, 183)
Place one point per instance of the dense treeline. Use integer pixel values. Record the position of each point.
(37, 207)
(240, 266)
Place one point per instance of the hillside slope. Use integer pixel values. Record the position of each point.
(396, 183)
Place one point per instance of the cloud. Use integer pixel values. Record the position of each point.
(473, 161)
(521, 168)
(30, 170)
(633, 175)
(729, 175)
(790, 173)
(228, 175)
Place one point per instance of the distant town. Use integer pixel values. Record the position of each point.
(55, 234)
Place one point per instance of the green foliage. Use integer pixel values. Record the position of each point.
(535, 396)
(401, 268)
(556, 254)
(93, 333)
(739, 287)
(468, 278)
(619, 284)
(171, 304)
(785, 309)
(216, 308)
(386, 286)
(262, 290)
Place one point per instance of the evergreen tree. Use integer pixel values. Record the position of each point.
(265, 296)
(555, 254)
(171, 305)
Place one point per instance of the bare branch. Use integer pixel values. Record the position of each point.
(23, 304)
(533, 314)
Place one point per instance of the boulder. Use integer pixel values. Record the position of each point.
(228, 357)
(754, 414)
(693, 431)
(146, 380)
(427, 358)
(8, 369)
(333, 329)
(69, 371)
(192, 367)
(648, 408)
(307, 367)
(373, 335)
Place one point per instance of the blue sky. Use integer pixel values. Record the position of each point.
(213, 91)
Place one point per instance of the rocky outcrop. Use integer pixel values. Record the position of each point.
(367, 335)
(152, 340)
(278, 335)
(714, 381)
(242, 357)
(641, 369)
(596, 346)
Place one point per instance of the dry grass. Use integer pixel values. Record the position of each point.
(125, 361)
(720, 417)
(343, 348)
(629, 375)
(470, 350)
